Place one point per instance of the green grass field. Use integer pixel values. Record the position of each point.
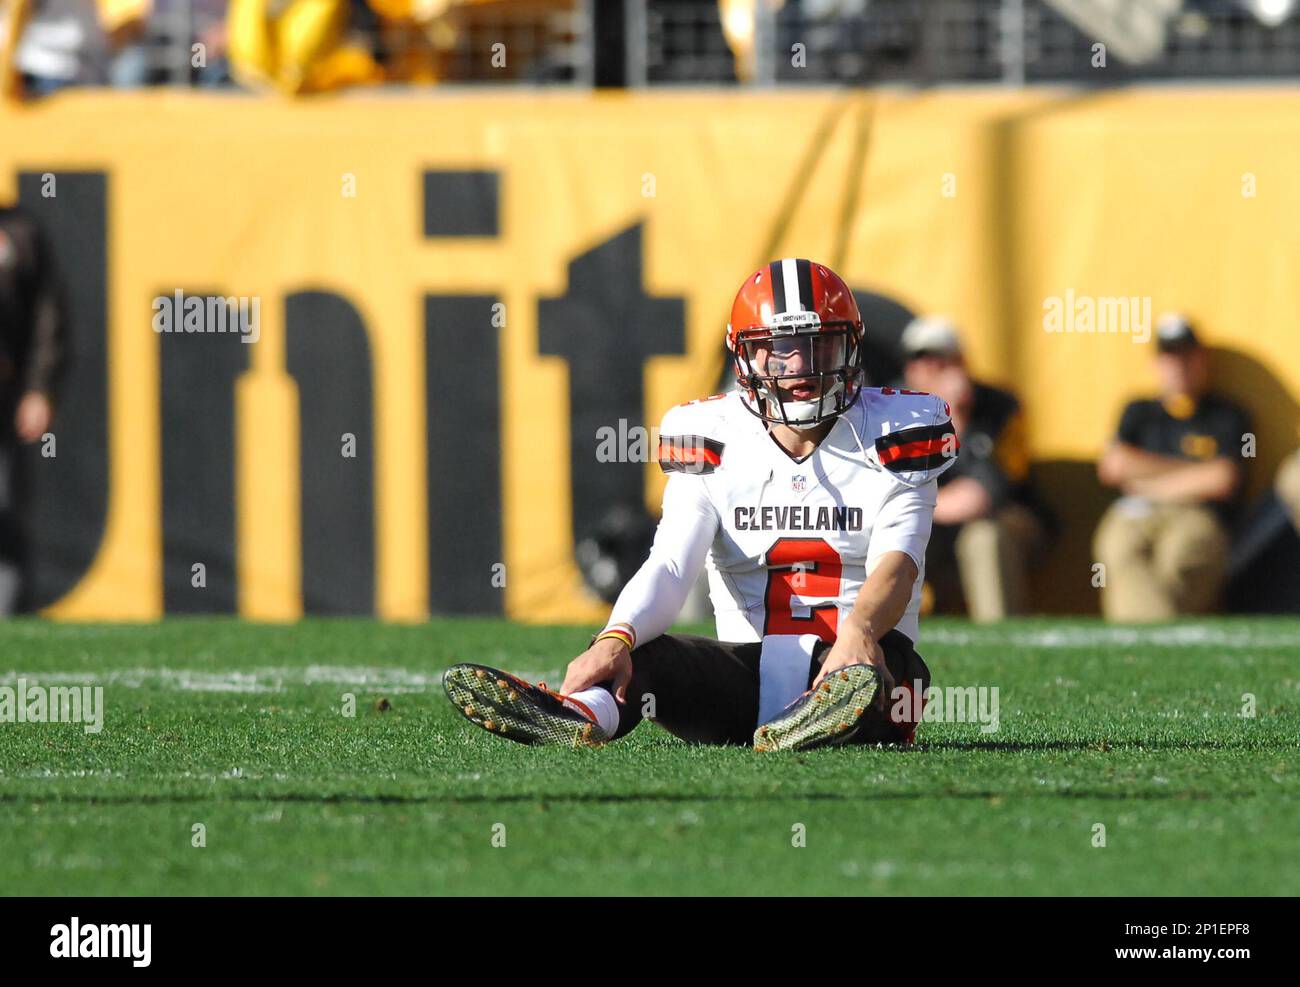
(240, 728)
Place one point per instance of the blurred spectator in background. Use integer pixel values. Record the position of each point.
(988, 526)
(1177, 460)
(32, 349)
(59, 43)
(48, 45)
(161, 44)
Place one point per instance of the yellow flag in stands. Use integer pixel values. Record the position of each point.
(113, 14)
(13, 14)
(298, 46)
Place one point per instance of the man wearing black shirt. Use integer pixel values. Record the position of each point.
(987, 526)
(31, 355)
(1177, 460)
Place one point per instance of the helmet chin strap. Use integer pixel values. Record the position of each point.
(806, 426)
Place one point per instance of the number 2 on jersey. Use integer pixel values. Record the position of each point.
(799, 568)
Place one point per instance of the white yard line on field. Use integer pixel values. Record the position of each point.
(1178, 636)
(394, 680)
(397, 680)
(271, 679)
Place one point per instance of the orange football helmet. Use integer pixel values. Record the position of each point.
(796, 338)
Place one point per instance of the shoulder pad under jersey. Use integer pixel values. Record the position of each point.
(691, 436)
(912, 433)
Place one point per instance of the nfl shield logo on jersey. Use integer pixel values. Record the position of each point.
(798, 483)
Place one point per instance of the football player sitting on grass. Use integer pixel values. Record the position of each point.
(807, 497)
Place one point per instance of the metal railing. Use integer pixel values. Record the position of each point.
(850, 42)
(964, 41)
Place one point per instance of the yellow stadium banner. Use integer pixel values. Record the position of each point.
(459, 301)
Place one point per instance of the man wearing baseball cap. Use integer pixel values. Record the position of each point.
(988, 525)
(1177, 461)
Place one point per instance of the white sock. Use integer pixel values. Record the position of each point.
(603, 706)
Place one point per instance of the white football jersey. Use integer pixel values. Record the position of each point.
(788, 543)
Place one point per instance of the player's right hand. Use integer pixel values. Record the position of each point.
(604, 661)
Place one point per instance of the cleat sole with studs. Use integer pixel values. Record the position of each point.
(516, 710)
(829, 715)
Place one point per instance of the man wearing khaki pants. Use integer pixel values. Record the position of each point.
(1287, 486)
(1177, 460)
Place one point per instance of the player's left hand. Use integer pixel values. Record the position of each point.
(858, 646)
(607, 660)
